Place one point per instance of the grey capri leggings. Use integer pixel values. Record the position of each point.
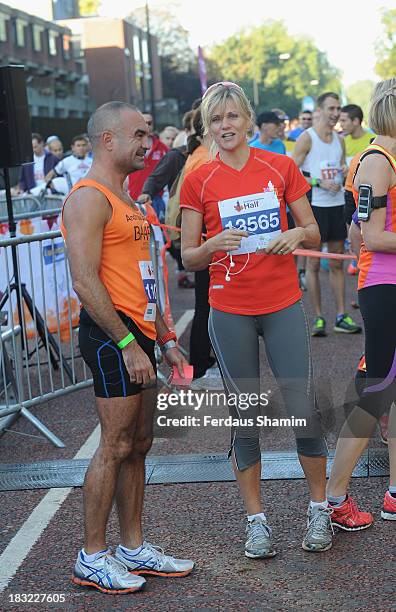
(235, 340)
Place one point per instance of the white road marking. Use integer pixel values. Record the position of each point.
(21, 544)
(183, 322)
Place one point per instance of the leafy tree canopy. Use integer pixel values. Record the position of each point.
(386, 46)
(172, 38)
(253, 58)
(360, 93)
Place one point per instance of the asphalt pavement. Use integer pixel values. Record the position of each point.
(205, 521)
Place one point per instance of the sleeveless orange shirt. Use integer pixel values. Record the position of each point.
(126, 269)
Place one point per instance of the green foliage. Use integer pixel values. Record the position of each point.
(386, 46)
(253, 56)
(360, 93)
(88, 7)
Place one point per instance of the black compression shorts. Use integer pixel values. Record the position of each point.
(104, 358)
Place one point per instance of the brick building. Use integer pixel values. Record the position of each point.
(118, 60)
(57, 83)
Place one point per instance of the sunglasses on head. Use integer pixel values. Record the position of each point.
(227, 84)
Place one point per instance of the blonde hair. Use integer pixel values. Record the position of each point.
(216, 97)
(382, 114)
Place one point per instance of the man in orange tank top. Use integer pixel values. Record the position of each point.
(107, 239)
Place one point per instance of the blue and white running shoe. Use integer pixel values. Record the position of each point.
(105, 573)
(151, 560)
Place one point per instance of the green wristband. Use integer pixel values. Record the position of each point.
(314, 182)
(125, 341)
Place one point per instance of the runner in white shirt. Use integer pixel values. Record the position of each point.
(72, 168)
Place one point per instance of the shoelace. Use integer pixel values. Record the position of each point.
(255, 531)
(158, 553)
(115, 564)
(354, 509)
(318, 521)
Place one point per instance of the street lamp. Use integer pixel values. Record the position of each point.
(150, 59)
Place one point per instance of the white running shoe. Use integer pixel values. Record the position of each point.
(105, 573)
(151, 560)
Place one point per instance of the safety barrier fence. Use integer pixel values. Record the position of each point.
(39, 315)
(39, 352)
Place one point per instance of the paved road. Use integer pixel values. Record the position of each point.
(204, 521)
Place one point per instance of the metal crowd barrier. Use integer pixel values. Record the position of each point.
(39, 356)
(39, 352)
(28, 206)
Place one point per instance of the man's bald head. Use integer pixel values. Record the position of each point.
(107, 117)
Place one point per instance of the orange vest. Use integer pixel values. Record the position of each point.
(125, 268)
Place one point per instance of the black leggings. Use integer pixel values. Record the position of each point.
(199, 338)
(378, 308)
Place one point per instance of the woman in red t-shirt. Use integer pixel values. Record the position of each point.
(241, 197)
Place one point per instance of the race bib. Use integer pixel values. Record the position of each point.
(258, 214)
(330, 171)
(150, 289)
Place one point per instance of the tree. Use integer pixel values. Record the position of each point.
(283, 68)
(171, 36)
(184, 86)
(88, 7)
(360, 93)
(179, 63)
(386, 46)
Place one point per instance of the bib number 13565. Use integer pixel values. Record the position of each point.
(252, 224)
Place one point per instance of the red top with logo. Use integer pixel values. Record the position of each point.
(137, 179)
(253, 199)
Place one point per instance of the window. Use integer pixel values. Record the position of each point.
(145, 51)
(36, 35)
(136, 48)
(66, 39)
(52, 38)
(20, 25)
(3, 27)
(60, 112)
(43, 111)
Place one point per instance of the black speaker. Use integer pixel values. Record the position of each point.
(15, 133)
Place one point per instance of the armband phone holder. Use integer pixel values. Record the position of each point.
(367, 202)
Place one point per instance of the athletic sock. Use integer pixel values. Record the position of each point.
(316, 505)
(132, 551)
(336, 501)
(94, 556)
(392, 490)
(259, 515)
